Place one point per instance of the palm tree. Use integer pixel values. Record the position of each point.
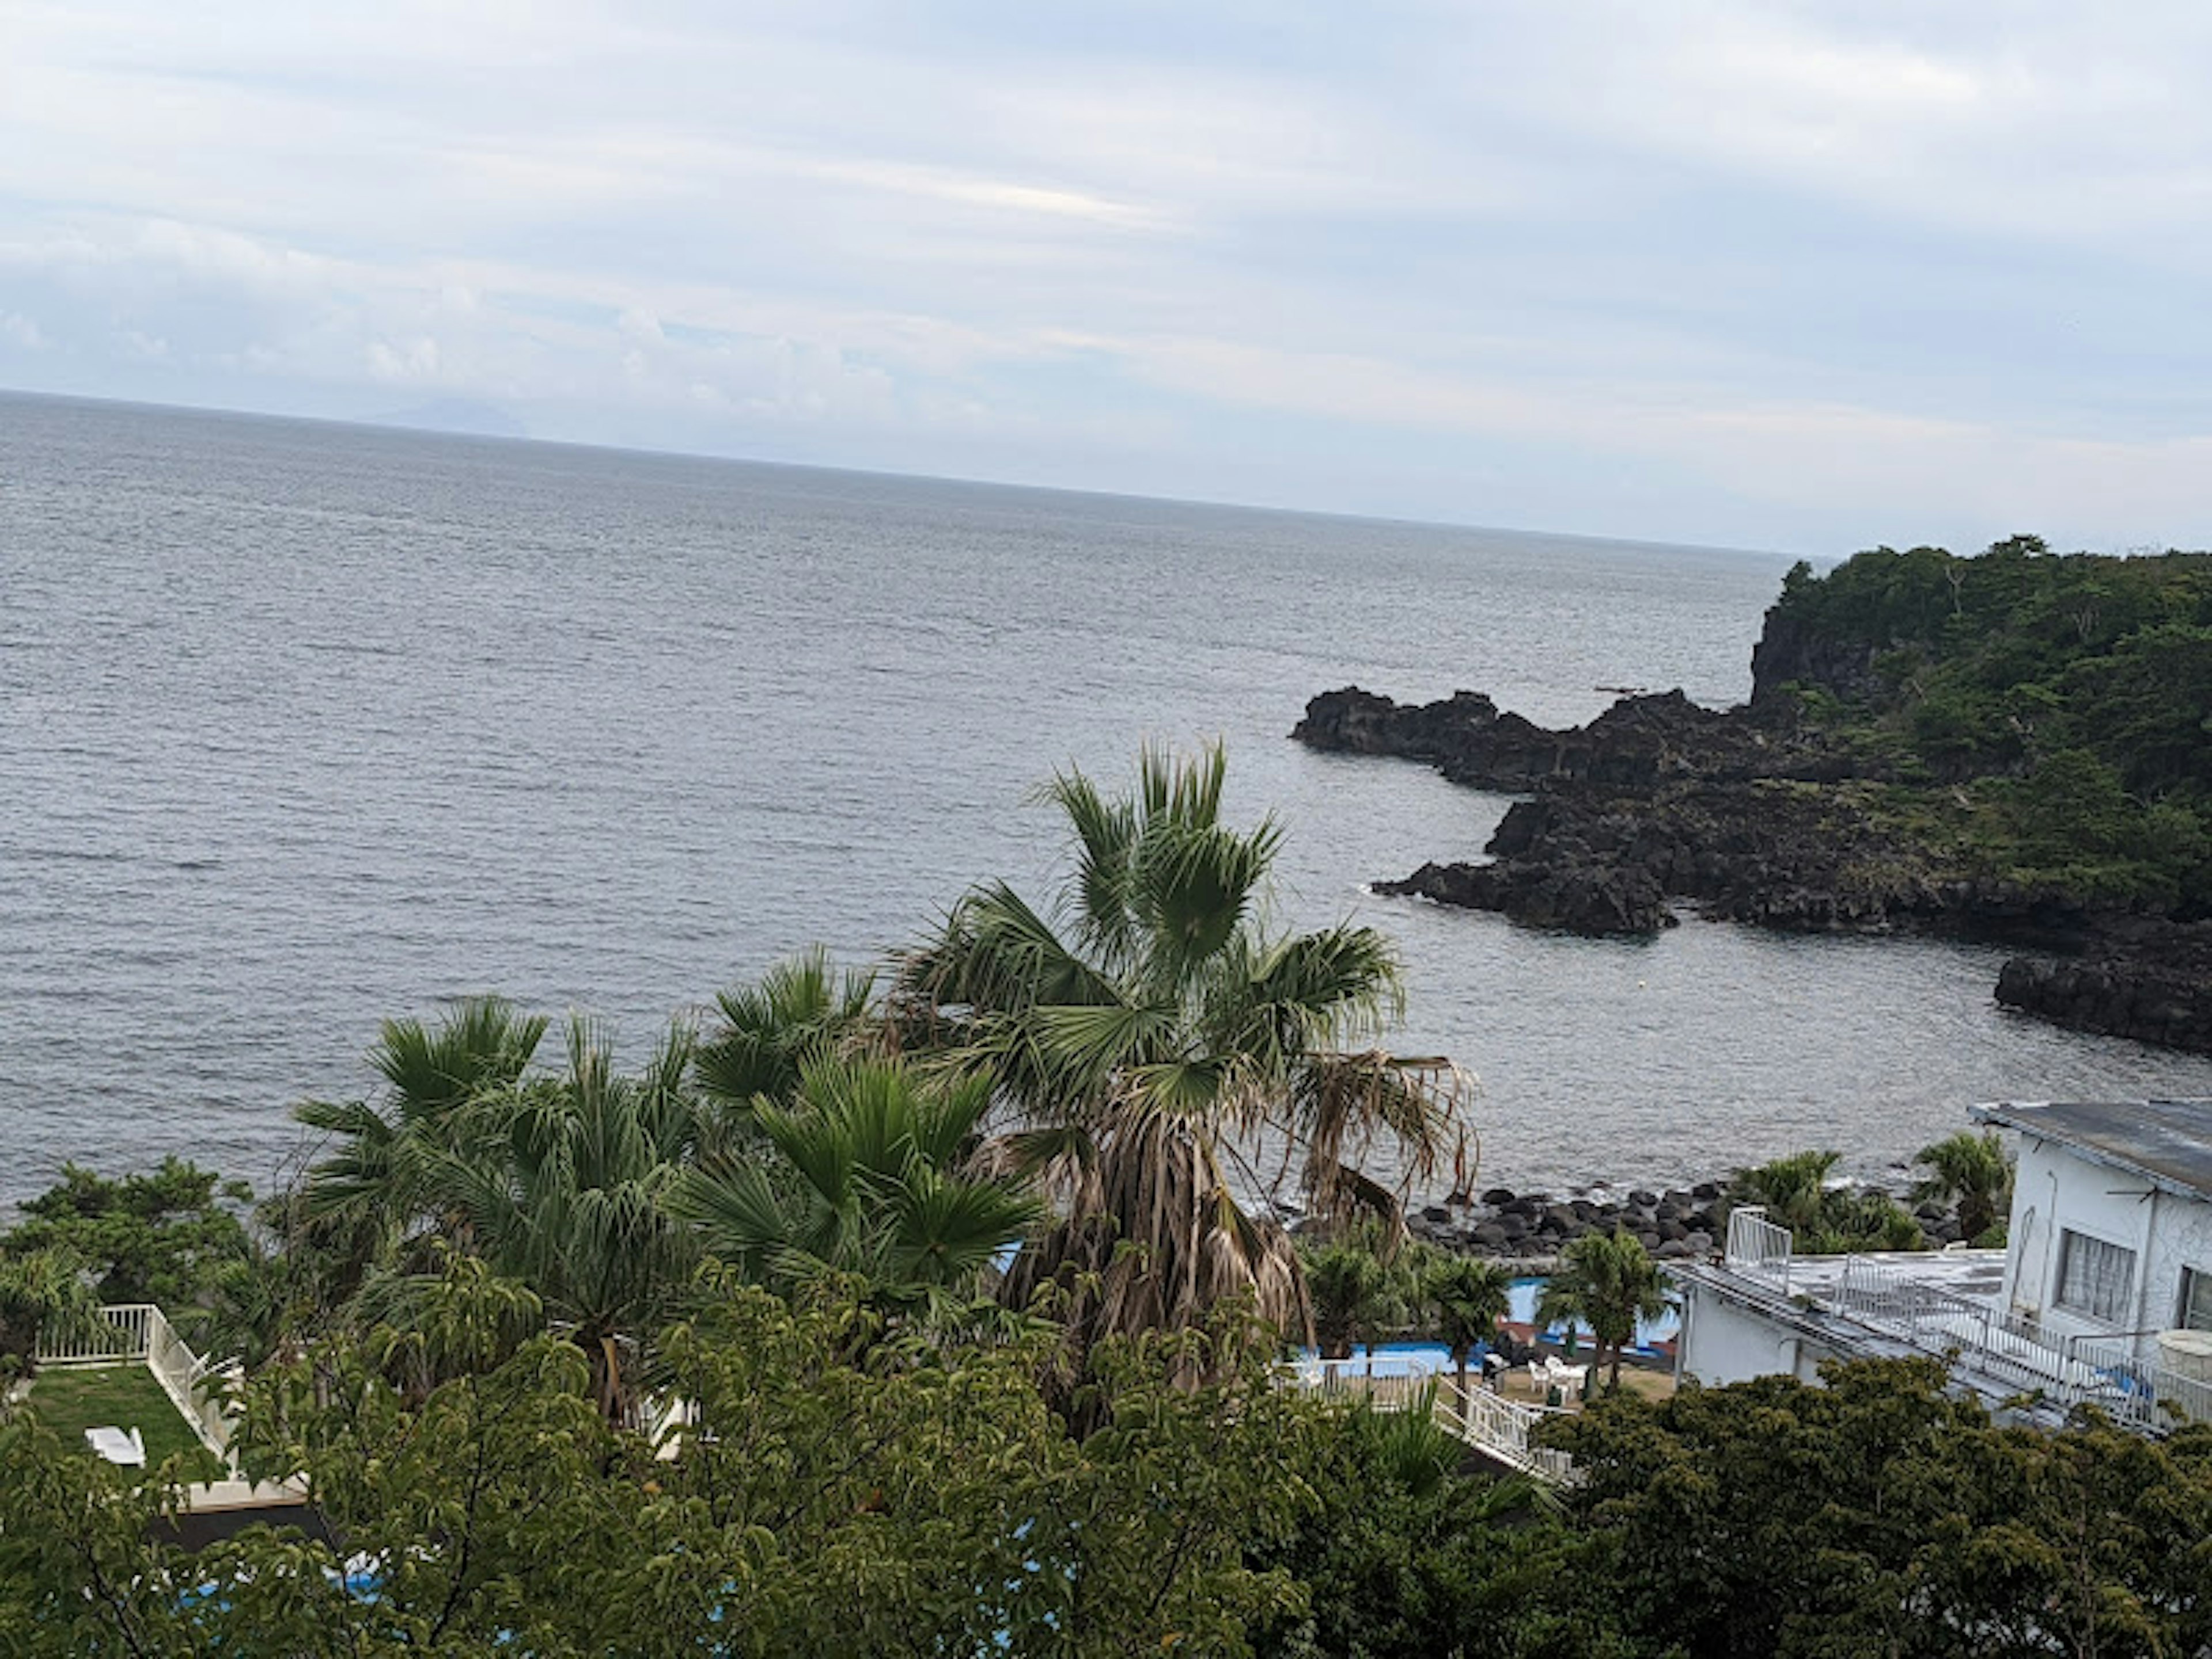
(45, 1292)
(556, 1182)
(1347, 1287)
(1466, 1298)
(1972, 1169)
(882, 1193)
(799, 1011)
(1149, 1033)
(363, 1194)
(1793, 1189)
(1607, 1283)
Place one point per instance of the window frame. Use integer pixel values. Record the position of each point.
(2091, 1307)
(2193, 1307)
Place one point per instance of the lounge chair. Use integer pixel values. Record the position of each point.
(112, 1443)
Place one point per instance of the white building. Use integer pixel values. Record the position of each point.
(2103, 1296)
(2111, 1220)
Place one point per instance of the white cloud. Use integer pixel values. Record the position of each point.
(1807, 260)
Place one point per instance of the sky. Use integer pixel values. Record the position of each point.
(1805, 276)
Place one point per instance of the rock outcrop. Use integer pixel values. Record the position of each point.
(1753, 817)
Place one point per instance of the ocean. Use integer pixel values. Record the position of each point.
(304, 726)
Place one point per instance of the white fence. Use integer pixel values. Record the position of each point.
(139, 1333)
(1488, 1422)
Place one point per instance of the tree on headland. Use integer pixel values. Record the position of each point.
(1150, 1034)
(1608, 1282)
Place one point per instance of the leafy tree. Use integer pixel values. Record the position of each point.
(883, 1193)
(1882, 1513)
(1825, 1220)
(162, 1237)
(1972, 1170)
(1607, 1283)
(1156, 1033)
(558, 1182)
(925, 1503)
(1409, 1556)
(1792, 1190)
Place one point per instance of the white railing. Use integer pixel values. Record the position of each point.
(1502, 1427)
(139, 1333)
(1400, 1384)
(2004, 1351)
(2156, 1393)
(1486, 1421)
(121, 1336)
(1756, 1245)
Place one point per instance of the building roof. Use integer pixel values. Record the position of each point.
(2167, 1142)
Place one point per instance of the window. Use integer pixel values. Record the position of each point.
(2095, 1278)
(2195, 1300)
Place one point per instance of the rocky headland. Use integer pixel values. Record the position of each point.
(1784, 813)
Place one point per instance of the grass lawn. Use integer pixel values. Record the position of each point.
(70, 1400)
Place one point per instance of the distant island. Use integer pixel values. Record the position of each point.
(463, 416)
(2015, 746)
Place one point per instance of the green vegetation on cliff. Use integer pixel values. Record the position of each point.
(2050, 714)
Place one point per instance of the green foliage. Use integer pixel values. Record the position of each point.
(42, 1291)
(927, 1502)
(1464, 1299)
(2073, 692)
(1409, 1557)
(867, 1176)
(1972, 1171)
(1148, 1029)
(163, 1236)
(799, 1011)
(1348, 1288)
(1883, 1514)
(1825, 1220)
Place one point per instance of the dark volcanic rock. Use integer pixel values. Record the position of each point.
(1593, 900)
(2166, 1000)
(1755, 817)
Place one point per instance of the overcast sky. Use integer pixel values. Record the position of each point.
(1798, 275)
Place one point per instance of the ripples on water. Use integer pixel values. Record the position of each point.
(304, 726)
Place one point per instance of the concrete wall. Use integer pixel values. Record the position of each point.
(2056, 1189)
(1723, 1342)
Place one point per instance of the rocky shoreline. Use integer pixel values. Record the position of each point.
(1531, 1230)
(1752, 816)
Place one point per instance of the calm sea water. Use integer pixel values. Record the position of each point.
(303, 726)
